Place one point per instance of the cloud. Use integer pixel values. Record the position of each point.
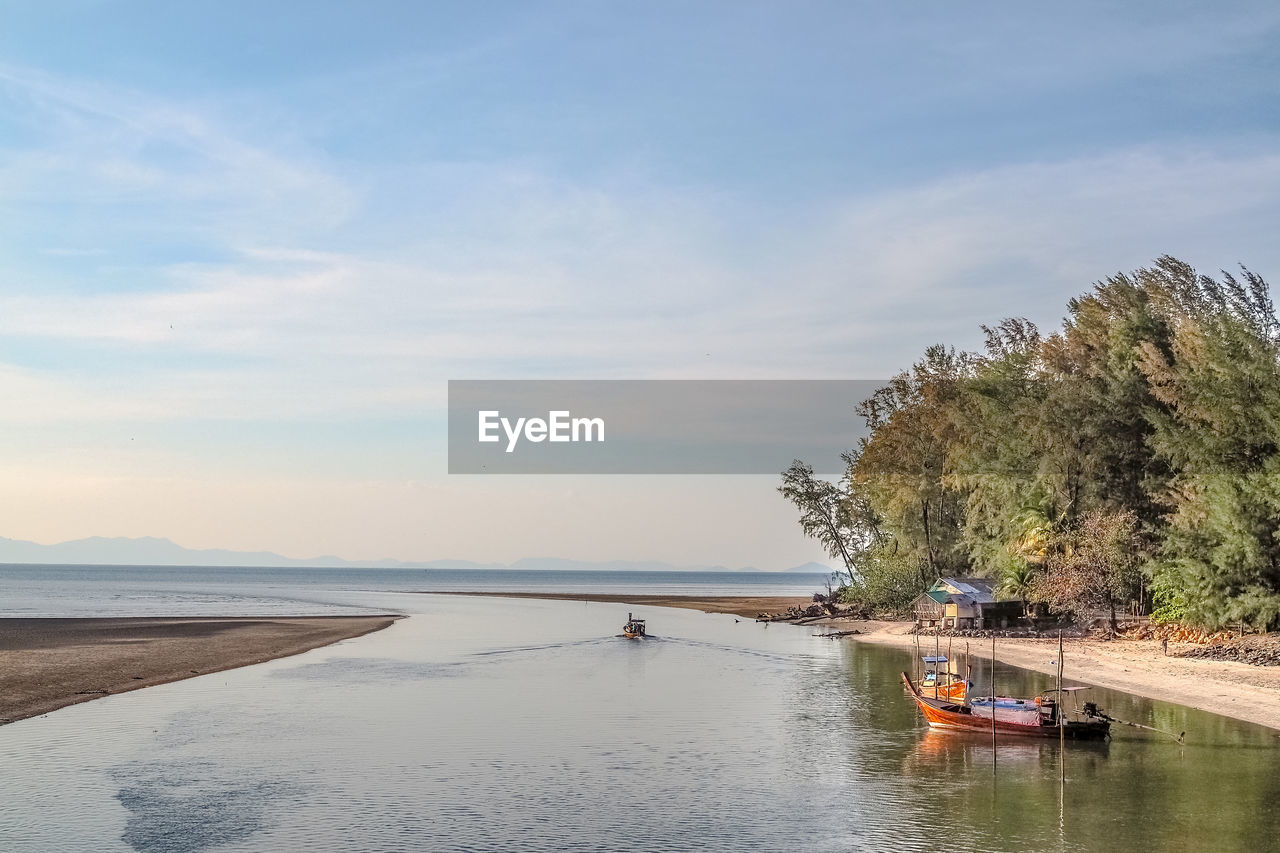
(206, 270)
(1021, 239)
(151, 162)
(591, 282)
(496, 269)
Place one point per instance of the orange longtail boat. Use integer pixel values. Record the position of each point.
(1040, 717)
(942, 684)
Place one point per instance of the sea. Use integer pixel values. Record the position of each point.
(494, 724)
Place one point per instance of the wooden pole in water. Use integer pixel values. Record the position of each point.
(1062, 723)
(968, 672)
(1062, 746)
(993, 701)
(937, 650)
(917, 666)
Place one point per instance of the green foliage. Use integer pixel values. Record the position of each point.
(848, 595)
(899, 470)
(887, 582)
(821, 510)
(834, 514)
(994, 459)
(1017, 578)
(1219, 431)
(1142, 438)
(1169, 597)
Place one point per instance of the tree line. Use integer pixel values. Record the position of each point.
(1130, 457)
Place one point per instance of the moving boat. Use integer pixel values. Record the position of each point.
(1039, 717)
(634, 629)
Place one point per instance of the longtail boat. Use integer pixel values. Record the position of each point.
(634, 629)
(1040, 717)
(942, 684)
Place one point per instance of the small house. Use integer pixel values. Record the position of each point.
(961, 603)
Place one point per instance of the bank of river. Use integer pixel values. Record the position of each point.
(1237, 690)
(49, 663)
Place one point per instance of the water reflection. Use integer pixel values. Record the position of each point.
(193, 806)
(495, 725)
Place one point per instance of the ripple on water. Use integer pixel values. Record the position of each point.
(722, 736)
(194, 806)
(366, 670)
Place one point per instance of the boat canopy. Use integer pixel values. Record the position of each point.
(1007, 710)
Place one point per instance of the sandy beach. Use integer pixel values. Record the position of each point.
(1242, 691)
(1239, 690)
(46, 664)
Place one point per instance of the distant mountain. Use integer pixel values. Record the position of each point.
(458, 564)
(153, 551)
(812, 567)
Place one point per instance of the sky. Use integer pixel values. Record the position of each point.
(246, 245)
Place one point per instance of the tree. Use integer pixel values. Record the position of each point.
(1142, 439)
(1219, 431)
(1018, 578)
(995, 460)
(899, 469)
(1093, 565)
(842, 524)
(888, 580)
(1097, 412)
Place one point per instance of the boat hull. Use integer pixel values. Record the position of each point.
(943, 714)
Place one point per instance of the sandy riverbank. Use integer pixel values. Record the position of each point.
(46, 664)
(1242, 691)
(745, 606)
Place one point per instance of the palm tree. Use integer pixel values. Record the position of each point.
(1017, 578)
(1032, 543)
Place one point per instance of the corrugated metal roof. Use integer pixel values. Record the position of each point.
(978, 589)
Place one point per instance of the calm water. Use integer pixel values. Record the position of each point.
(491, 724)
(40, 590)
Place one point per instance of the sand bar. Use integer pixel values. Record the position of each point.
(47, 664)
(1238, 690)
(747, 606)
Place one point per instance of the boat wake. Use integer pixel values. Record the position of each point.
(541, 648)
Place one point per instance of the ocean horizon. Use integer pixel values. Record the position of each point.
(43, 590)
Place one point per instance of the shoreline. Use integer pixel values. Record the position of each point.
(1237, 690)
(50, 663)
(746, 606)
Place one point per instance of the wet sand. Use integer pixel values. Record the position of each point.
(745, 606)
(46, 664)
(1238, 690)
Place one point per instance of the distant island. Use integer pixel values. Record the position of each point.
(156, 551)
